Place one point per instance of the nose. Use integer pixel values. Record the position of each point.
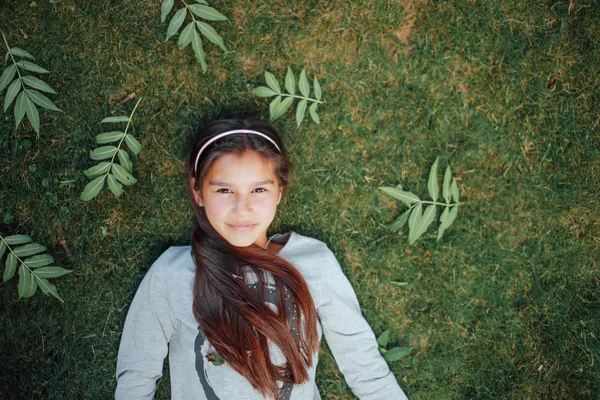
(242, 204)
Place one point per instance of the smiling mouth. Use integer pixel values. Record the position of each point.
(242, 227)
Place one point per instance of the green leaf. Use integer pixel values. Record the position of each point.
(215, 359)
(382, 340)
(446, 185)
(8, 218)
(27, 284)
(290, 81)
(122, 175)
(399, 284)
(125, 160)
(313, 113)
(303, 84)
(186, 35)
(165, 9)
(11, 93)
(454, 190)
(36, 83)
(28, 65)
(443, 222)
(41, 100)
(397, 353)
(198, 50)
(113, 185)
(96, 170)
(207, 13)
(202, 2)
(33, 115)
(432, 185)
(50, 272)
(175, 23)
(40, 260)
(18, 239)
(7, 76)
(108, 137)
(47, 287)
(424, 222)
(301, 111)
(120, 118)
(211, 34)
(413, 223)
(399, 223)
(102, 153)
(283, 106)
(447, 219)
(28, 250)
(274, 106)
(93, 188)
(21, 53)
(407, 197)
(272, 82)
(11, 267)
(263, 91)
(317, 89)
(20, 108)
(2, 248)
(133, 144)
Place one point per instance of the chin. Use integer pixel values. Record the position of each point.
(241, 240)
(241, 243)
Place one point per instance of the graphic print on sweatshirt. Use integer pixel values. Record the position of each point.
(202, 348)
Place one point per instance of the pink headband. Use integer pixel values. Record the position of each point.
(219, 136)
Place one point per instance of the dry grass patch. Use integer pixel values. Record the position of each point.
(251, 63)
(581, 222)
(405, 32)
(341, 48)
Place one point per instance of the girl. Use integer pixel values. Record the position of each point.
(240, 315)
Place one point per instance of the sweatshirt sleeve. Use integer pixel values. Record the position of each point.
(351, 339)
(144, 343)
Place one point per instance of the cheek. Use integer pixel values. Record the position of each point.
(268, 205)
(215, 207)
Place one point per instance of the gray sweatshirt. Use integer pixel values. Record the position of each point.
(160, 322)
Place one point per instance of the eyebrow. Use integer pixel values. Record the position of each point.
(261, 183)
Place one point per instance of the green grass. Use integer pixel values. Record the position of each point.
(506, 306)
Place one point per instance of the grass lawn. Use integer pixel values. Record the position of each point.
(505, 306)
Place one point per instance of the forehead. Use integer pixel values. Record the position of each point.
(243, 168)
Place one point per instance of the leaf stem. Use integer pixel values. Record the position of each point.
(433, 203)
(439, 204)
(301, 97)
(11, 250)
(13, 60)
(112, 160)
(20, 77)
(190, 11)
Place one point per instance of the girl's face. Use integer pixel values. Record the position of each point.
(240, 195)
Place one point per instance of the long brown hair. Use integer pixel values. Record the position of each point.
(234, 317)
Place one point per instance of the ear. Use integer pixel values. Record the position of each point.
(196, 193)
(280, 194)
